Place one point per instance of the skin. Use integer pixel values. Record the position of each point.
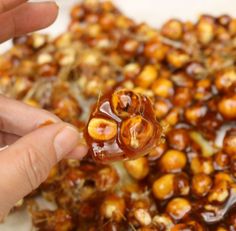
(32, 150)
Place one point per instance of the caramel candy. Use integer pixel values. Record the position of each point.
(122, 126)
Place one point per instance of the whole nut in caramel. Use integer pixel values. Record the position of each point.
(125, 103)
(102, 129)
(136, 132)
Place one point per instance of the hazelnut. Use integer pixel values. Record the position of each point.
(182, 96)
(161, 107)
(219, 193)
(181, 184)
(221, 161)
(173, 29)
(229, 142)
(172, 118)
(173, 161)
(227, 107)
(201, 165)
(143, 217)
(102, 129)
(201, 184)
(163, 87)
(194, 113)
(155, 50)
(126, 102)
(205, 29)
(177, 58)
(225, 79)
(131, 70)
(163, 222)
(163, 187)
(178, 208)
(136, 132)
(137, 168)
(147, 76)
(178, 138)
(113, 207)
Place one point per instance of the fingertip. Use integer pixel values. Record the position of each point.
(52, 9)
(79, 152)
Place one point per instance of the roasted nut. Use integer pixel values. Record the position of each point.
(178, 208)
(224, 20)
(37, 41)
(227, 107)
(131, 70)
(77, 12)
(126, 103)
(229, 142)
(201, 165)
(205, 29)
(163, 87)
(155, 50)
(44, 58)
(222, 176)
(178, 138)
(163, 187)
(172, 118)
(182, 97)
(129, 47)
(221, 161)
(201, 184)
(157, 151)
(113, 207)
(173, 29)
(203, 90)
(196, 70)
(177, 58)
(219, 193)
(194, 113)
(161, 107)
(102, 129)
(181, 184)
(138, 168)
(67, 108)
(147, 76)
(107, 21)
(181, 79)
(143, 217)
(225, 79)
(173, 161)
(136, 132)
(163, 222)
(106, 178)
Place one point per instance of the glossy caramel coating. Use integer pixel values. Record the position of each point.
(125, 128)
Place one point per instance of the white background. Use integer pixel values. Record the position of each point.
(154, 12)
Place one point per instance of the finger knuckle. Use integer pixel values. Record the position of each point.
(35, 167)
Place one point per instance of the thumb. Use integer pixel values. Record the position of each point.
(26, 164)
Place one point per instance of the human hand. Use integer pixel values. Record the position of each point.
(18, 17)
(33, 150)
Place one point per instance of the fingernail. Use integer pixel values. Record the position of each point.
(65, 141)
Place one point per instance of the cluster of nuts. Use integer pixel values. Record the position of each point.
(122, 126)
(185, 71)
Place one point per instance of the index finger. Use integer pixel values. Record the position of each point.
(6, 5)
(19, 119)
